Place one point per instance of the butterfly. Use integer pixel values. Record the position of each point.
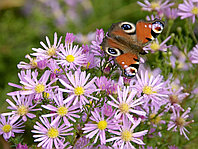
(125, 42)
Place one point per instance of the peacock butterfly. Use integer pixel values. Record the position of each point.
(125, 41)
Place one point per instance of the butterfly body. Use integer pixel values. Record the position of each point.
(125, 41)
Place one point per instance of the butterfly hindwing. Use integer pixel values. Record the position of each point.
(129, 63)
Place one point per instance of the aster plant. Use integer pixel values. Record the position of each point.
(73, 95)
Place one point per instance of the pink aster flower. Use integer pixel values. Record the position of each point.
(193, 55)
(63, 110)
(103, 83)
(20, 146)
(22, 108)
(100, 126)
(8, 127)
(171, 13)
(126, 135)
(155, 46)
(80, 38)
(83, 142)
(69, 38)
(176, 95)
(96, 48)
(71, 56)
(154, 89)
(32, 86)
(125, 104)
(22, 75)
(54, 68)
(50, 135)
(155, 5)
(188, 9)
(178, 59)
(179, 121)
(49, 50)
(80, 87)
(32, 64)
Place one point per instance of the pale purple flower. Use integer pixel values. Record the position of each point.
(8, 127)
(50, 135)
(32, 64)
(33, 86)
(80, 88)
(171, 13)
(176, 95)
(103, 83)
(49, 50)
(62, 110)
(20, 146)
(22, 75)
(108, 110)
(193, 55)
(155, 5)
(70, 56)
(84, 39)
(42, 64)
(179, 121)
(96, 47)
(126, 135)
(91, 61)
(54, 68)
(100, 126)
(69, 38)
(155, 46)
(82, 142)
(152, 17)
(125, 104)
(188, 9)
(22, 108)
(178, 59)
(153, 88)
(172, 147)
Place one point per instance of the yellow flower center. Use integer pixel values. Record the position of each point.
(154, 46)
(46, 95)
(39, 88)
(102, 125)
(22, 110)
(155, 5)
(124, 108)
(70, 58)
(6, 128)
(126, 135)
(33, 62)
(51, 51)
(155, 119)
(79, 90)
(180, 121)
(195, 10)
(52, 132)
(148, 90)
(62, 111)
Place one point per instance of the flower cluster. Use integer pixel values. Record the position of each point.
(74, 96)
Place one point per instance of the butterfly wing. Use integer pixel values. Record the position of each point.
(148, 30)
